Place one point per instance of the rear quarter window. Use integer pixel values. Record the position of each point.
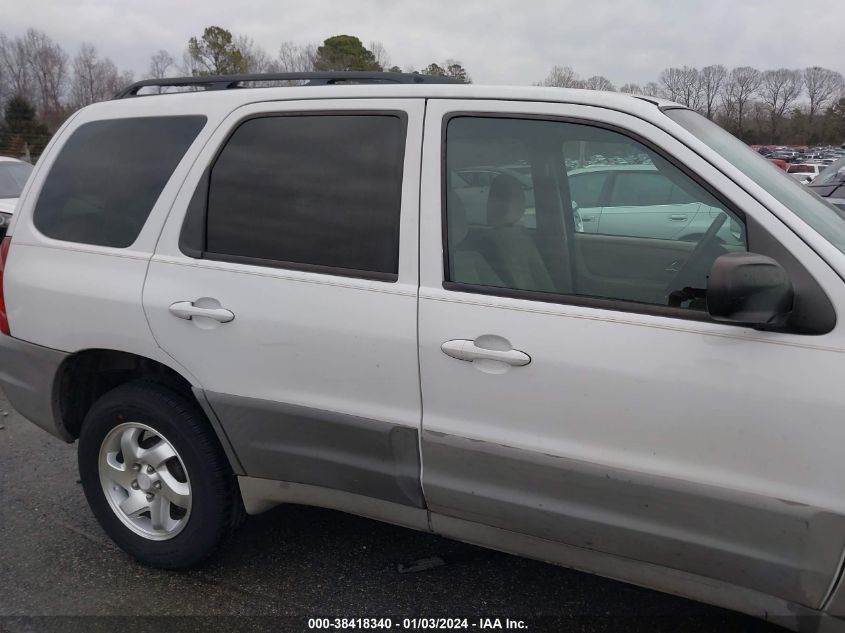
(109, 175)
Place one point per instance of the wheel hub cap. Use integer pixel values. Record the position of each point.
(145, 481)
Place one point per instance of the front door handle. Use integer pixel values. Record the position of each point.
(463, 349)
(187, 310)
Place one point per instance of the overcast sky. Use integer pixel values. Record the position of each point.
(499, 41)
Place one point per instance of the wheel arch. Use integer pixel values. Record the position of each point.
(86, 375)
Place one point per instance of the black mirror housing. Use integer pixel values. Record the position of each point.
(749, 289)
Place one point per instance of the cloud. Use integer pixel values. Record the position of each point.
(499, 41)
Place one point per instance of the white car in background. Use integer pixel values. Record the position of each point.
(805, 172)
(641, 201)
(13, 177)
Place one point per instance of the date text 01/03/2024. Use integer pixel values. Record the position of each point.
(435, 624)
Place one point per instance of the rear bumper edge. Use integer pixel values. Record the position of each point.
(27, 375)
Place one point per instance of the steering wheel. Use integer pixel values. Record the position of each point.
(679, 279)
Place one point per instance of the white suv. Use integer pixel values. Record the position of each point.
(236, 298)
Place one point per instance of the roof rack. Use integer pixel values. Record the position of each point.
(229, 82)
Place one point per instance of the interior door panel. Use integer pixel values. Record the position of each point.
(630, 268)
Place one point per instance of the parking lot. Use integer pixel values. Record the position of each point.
(281, 568)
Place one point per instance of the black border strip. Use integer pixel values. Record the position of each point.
(575, 300)
(583, 301)
(308, 268)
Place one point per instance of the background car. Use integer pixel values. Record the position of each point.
(830, 184)
(639, 201)
(805, 172)
(13, 176)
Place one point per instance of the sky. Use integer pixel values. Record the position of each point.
(498, 41)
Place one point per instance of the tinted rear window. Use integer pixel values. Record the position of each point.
(108, 177)
(308, 191)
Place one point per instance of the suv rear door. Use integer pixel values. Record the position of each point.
(287, 295)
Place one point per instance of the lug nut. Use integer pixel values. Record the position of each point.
(150, 470)
(157, 485)
(135, 485)
(150, 496)
(136, 467)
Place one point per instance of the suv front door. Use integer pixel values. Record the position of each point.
(289, 291)
(576, 406)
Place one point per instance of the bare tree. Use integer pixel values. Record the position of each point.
(653, 89)
(823, 86)
(95, 79)
(631, 89)
(778, 90)
(682, 85)
(758, 116)
(741, 85)
(48, 65)
(160, 65)
(188, 66)
(597, 82)
(14, 61)
(711, 79)
(672, 83)
(296, 58)
(562, 77)
(86, 76)
(256, 59)
(380, 53)
(35, 67)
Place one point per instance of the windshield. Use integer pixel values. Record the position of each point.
(832, 175)
(12, 178)
(815, 211)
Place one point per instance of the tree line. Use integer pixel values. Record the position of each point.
(780, 106)
(219, 52)
(41, 84)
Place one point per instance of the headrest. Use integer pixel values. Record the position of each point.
(506, 202)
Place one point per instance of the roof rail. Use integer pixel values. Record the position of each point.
(229, 82)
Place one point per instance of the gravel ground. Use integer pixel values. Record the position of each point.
(59, 572)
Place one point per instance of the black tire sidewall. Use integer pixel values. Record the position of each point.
(211, 480)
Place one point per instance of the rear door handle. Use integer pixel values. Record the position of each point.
(679, 217)
(187, 310)
(463, 349)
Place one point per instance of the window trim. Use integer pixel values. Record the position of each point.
(581, 301)
(189, 236)
(617, 305)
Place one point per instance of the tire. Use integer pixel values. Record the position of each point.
(192, 496)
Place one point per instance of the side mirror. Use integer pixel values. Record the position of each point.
(750, 289)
